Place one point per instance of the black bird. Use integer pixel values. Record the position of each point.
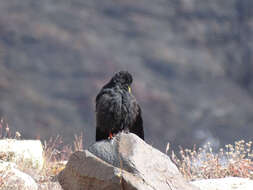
(117, 109)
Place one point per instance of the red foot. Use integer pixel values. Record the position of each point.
(110, 136)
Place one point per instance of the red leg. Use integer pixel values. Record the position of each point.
(110, 136)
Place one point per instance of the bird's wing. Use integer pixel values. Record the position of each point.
(108, 109)
(137, 127)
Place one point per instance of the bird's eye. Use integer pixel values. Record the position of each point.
(129, 89)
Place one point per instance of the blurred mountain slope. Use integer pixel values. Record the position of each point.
(191, 60)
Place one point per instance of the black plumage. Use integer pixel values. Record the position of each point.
(117, 109)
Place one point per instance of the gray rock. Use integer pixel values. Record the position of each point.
(126, 162)
(12, 178)
(28, 153)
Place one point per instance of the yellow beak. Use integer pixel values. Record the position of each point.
(129, 89)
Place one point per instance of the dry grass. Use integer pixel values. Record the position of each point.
(4, 129)
(56, 155)
(202, 163)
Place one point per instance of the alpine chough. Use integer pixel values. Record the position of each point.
(117, 109)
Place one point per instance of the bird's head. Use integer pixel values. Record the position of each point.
(124, 79)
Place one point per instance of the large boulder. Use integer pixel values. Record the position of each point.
(11, 178)
(28, 153)
(229, 183)
(125, 162)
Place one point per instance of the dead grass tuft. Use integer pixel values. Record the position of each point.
(202, 163)
(4, 129)
(56, 154)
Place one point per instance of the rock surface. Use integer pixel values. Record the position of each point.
(26, 152)
(126, 162)
(12, 179)
(229, 183)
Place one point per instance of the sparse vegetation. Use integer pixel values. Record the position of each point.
(202, 163)
(56, 154)
(4, 129)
